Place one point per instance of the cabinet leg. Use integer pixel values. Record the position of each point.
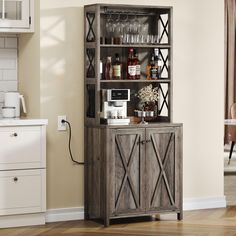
(106, 222)
(180, 215)
(86, 216)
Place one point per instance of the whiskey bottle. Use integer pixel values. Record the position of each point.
(137, 64)
(108, 69)
(158, 62)
(117, 68)
(131, 67)
(151, 69)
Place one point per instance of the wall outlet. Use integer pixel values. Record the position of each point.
(60, 125)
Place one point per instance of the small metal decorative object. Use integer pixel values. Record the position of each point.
(144, 114)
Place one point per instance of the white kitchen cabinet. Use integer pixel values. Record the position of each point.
(23, 193)
(16, 16)
(22, 172)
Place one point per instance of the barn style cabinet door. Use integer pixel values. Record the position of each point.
(145, 171)
(163, 170)
(127, 167)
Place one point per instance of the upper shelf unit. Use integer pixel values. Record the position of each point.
(16, 16)
(115, 29)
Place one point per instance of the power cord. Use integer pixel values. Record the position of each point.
(69, 145)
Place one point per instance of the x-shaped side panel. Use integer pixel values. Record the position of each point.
(164, 102)
(91, 35)
(90, 54)
(165, 25)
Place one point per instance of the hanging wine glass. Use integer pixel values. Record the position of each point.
(126, 30)
(109, 30)
(117, 31)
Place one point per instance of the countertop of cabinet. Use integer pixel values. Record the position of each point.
(132, 125)
(22, 122)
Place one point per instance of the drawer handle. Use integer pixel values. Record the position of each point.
(15, 179)
(14, 135)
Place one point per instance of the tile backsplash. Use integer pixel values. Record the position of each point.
(8, 66)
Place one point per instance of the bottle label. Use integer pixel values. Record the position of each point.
(153, 73)
(132, 70)
(101, 67)
(138, 69)
(116, 71)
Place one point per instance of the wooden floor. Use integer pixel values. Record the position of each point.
(214, 222)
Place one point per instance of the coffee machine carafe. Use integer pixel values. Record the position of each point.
(114, 106)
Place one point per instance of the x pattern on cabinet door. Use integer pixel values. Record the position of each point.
(162, 162)
(128, 179)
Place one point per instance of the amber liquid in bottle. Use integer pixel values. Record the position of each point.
(108, 69)
(151, 69)
(117, 68)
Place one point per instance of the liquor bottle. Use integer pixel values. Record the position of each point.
(158, 62)
(108, 69)
(117, 68)
(137, 64)
(151, 69)
(131, 67)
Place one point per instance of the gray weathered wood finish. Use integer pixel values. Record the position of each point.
(126, 180)
(130, 170)
(133, 171)
(151, 15)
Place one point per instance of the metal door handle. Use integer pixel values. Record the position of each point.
(145, 141)
(142, 142)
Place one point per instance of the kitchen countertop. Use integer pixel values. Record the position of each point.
(22, 122)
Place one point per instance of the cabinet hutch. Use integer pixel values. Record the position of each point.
(134, 169)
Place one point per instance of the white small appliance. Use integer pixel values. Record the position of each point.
(114, 106)
(14, 99)
(8, 112)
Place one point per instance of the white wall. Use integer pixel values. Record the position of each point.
(198, 93)
(8, 66)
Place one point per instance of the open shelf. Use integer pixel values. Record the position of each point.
(135, 46)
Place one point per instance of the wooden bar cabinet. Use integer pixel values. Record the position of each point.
(136, 169)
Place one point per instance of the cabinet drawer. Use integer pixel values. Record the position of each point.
(22, 191)
(21, 147)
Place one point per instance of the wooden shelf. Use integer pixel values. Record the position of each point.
(167, 46)
(136, 81)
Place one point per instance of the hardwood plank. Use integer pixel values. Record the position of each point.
(213, 222)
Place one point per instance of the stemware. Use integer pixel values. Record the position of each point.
(109, 30)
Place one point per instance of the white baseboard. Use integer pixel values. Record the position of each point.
(77, 213)
(65, 214)
(22, 220)
(204, 203)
